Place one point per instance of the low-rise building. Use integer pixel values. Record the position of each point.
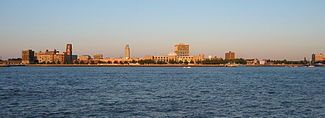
(98, 56)
(14, 61)
(54, 57)
(84, 59)
(252, 61)
(46, 57)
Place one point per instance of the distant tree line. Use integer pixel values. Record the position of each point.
(286, 62)
(223, 61)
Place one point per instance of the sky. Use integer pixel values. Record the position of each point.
(263, 29)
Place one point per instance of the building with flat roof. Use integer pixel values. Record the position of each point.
(98, 56)
(182, 49)
(28, 57)
(230, 55)
(54, 57)
(84, 58)
(180, 54)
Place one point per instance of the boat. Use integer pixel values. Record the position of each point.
(187, 67)
(311, 66)
(320, 65)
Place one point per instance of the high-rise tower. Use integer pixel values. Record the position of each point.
(127, 52)
(182, 49)
(69, 49)
(69, 54)
(28, 57)
(230, 55)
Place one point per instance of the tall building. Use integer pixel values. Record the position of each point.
(68, 53)
(28, 57)
(127, 52)
(69, 49)
(318, 58)
(182, 49)
(230, 55)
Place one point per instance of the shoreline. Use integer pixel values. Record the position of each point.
(151, 65)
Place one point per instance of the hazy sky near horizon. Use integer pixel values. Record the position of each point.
(264, 29)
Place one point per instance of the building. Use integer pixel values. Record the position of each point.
(180, 54)
(98, 56)
(84, 59)
(182, 49)
(46, 57)
(54, 57)
(252, 61)
(51, 57)
(28, 57)
(68, 54)
(14, 61)
(263, 62)
(318, 58)
(127, 54)
(230, 55)
(170, 58)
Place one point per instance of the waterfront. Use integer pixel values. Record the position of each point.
(162, 92)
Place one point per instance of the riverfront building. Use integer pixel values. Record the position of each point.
(28, 57)
(230, 55)
(127, 54)
(54, 57)
(182, 49)
(68, 54)
(84, 59)
(318, 58)
(181, 54)
(98, 56)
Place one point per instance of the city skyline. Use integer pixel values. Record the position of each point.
(127, 51)
(265, 30)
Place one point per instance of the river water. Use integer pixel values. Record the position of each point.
(162, 92)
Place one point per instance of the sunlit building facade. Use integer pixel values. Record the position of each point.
(230, 55)
(318, 58)
(182, 49)
(28, 57)
(54, 57)
(127, 54)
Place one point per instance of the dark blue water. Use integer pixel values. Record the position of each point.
(162, 92)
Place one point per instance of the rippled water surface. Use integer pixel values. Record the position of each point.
(162, 92)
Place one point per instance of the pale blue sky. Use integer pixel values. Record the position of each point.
(276, 29)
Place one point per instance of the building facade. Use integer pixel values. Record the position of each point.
(68, 54)
(54, 57)
(49, 57)
(230, 55)
(182, 49)
(84, 59)
(180, 54)
(318, 58)
(98, 56)
(127, 54)
(28, 57)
